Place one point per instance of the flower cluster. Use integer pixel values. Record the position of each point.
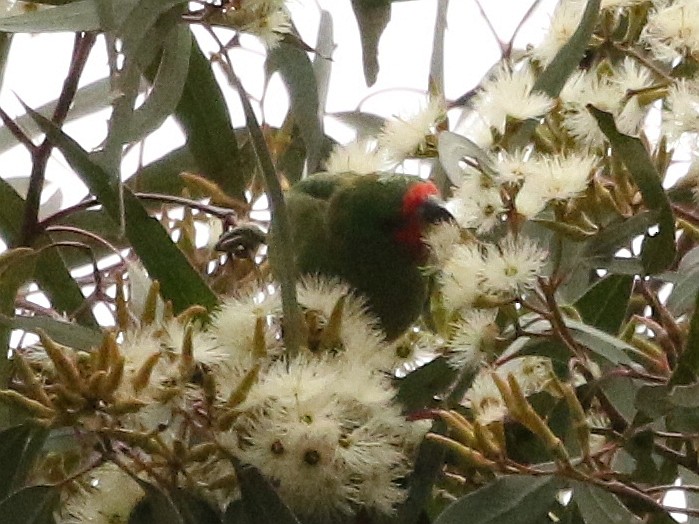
(172, 388)
(268, 20)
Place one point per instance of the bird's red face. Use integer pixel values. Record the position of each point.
(421, 207)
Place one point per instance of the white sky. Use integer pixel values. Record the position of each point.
(37, 64)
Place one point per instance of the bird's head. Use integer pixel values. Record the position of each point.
(421, 208)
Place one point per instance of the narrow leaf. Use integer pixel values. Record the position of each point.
(604, 304)
(72, 17)
(687, 368)
(179, 281)
(19, 447)
(598, 506)
(73, 335)
(155, 508)
(51, 273)
(32, 505)
(296, 71)
(261, 502)
(553, 78)
(168, 84)
(211, 140)
(372, 18)
(520, 499)
(658, 250)
(88, 99)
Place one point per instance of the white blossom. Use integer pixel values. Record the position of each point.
(512, 266)
(564, 21)
(469, 343)
(402, 137)
(362, 157)
(554, 178)
(509, 94)
(682, 109)
(672, 29)
(459, 277)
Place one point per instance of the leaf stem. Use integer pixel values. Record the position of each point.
(284, 267)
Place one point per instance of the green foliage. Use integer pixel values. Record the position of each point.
(557, 363)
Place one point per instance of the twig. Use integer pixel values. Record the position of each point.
(40, 155)
(217, 211)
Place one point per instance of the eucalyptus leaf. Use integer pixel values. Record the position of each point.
(604, 304)
(88, 99)
(687, 369)
(260, 501)
(32, 505)
(69, 334)
(453, 149)
(168, 84)
(598, 506)
(19, 447)
(204, 117)
(658, 250)
(179, 281)
(72, 17)
(553, 77)
(518, 499)
(365, 124)
(372, 18)
(296, 71)
(603, 344)
(156, 507)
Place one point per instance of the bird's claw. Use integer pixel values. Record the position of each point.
(241, 241)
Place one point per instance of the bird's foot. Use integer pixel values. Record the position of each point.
(241, 241)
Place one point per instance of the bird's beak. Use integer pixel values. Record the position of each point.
(434, 211)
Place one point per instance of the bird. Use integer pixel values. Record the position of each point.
(368, 231)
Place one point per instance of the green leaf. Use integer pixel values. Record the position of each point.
(603, 344)
(598, 506)
(195, 510)
(88, 99)
(155, 508)
(69, 334)
(520, 499)
(163, 175)
(261, 502)
(372, 18)
(72, 17)
(687, 368)
(51, 272)
(653, 401)
(658, 250)
(604, 304)
(418, 388)
(365, 124)
(296, 71)
(684, 292)
(163, 260)
(32, 505)
(211, 140)
(19, 447)
(428, 466)
(553, 78)
(168, 84)
(16, 268)
(453, 148)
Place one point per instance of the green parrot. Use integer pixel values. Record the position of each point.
(368, 230)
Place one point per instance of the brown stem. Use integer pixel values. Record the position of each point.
(40, 155)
